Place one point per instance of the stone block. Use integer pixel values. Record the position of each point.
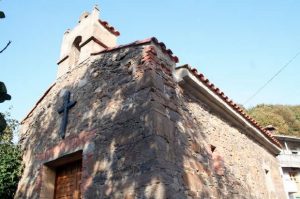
(163, 126)
(192, 182)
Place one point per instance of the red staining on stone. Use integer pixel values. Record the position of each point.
(150, 57)
(165, 50)
(151, 50)
(218, 164)
(166, 69)
(70, 144)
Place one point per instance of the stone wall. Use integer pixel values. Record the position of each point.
(240, 168)
(141, 135)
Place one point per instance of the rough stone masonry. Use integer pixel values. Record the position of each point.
(142, 128)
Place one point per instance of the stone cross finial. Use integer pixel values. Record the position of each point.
(96, 7)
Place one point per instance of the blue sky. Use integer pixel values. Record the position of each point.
(237, 44)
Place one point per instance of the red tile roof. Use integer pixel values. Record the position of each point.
(145, 41)
(109, 27)
(228, 101)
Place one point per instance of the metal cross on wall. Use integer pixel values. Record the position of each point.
(64, 109)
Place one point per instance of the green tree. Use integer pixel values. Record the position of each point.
(11, 129)
(285, 118)
(3, 93)
(10, 160)
(10, 154)
(2, 15)
(3, 96)
(10, 169)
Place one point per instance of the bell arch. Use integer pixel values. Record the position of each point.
(75, 51)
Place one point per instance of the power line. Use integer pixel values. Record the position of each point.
(9, 42)
(276, 74)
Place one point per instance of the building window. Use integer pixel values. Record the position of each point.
(293, 176)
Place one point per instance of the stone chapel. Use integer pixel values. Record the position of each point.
(124, 122)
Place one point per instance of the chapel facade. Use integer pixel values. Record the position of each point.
(122, 121)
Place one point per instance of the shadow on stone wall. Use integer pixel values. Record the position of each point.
(146, 145)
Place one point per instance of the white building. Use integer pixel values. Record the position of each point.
(290, 163)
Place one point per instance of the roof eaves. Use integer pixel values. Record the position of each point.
(109, 27)
(38, 102)
(162, 46)
(233, 105)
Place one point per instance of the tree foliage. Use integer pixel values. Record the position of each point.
(10, 169)
(12, 126)
(3, 97)
(2, 15)
(285, 118)
(10, 154)
(10, 160)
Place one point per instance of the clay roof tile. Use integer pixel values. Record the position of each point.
(139, 42)
(109, 28)
(238, 109)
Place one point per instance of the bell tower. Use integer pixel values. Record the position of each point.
(90, 35)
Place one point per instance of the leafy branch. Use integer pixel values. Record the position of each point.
(9, 42)
(2, 15)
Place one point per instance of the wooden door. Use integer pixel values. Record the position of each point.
(68, 181)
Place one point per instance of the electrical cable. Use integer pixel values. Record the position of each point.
(276, 74)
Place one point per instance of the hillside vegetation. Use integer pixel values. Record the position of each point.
(283, 117)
